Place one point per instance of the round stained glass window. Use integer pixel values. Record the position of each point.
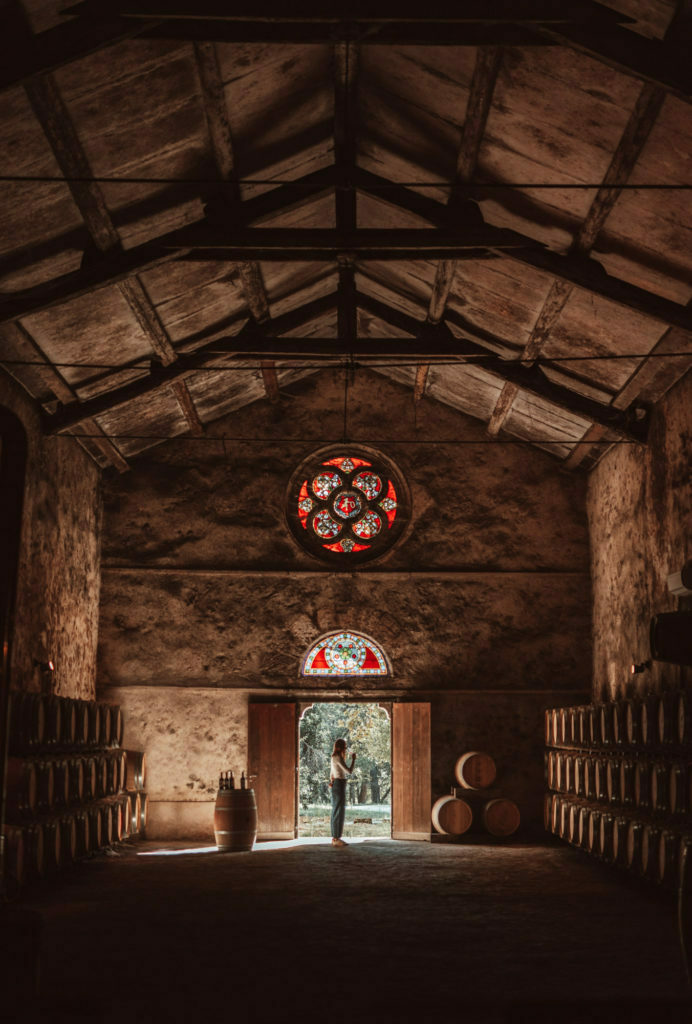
(347, 505)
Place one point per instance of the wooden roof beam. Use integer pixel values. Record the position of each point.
(502, 409)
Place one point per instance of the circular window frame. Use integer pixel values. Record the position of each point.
(389, 538)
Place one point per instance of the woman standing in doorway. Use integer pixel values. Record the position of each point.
(339, 775)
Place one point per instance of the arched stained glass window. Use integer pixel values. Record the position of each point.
(347, 505)
(345, 654)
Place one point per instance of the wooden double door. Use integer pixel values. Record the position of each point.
(273, 768)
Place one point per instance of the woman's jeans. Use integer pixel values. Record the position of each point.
(338, 807)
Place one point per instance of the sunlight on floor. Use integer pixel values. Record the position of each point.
(283, 844)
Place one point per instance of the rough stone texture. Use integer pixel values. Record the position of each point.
(189, 736)
(58, 579)
(475, 504)
(640, 515)
(487, 934)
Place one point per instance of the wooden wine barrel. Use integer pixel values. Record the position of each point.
(126, 815)
(613, 780)
(606, 724)
(135, 774)
(104, 724)
(583, 726)
(683, 716)
(28, 722)
(619, 842)
(475, 770)
(450, 815)
(143, 810)
(548, 811)
(34, 854)
(45, 781)
(667, 862)
(117, 821)
(14, 854)
(106, 816)
(651, 837)
(61, 782)
(75, 772)
(501, 817)
(235, 818)
(94, 711)
(90, 783)
(605, 843)
(660, 787)
(560, 772)
(569, 773)
(68, 839)
(627, 776)
(550, 769)
(68, 722)
(101, 776)
(562, 733)
(53, 734)
(642, 785)
(51, 844)
(548, 727)
(554, 727)
(633, 723)
(583, 830)
(121, 761)
(112, 774)
(22, 788)
(81, 738)
(563, 819)
(600, 779)
(633, 847)
(116, 726)
(619, 720)
(593, 832)
(82, 826)
(666, 725)
(136, 809)
(678, 788)
(578, 776)
(589, 781)
(594, 725)
(573, 824)
(573, 721)
(648, 717)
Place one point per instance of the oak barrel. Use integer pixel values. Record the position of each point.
(589, 782)
(116, 726)
(600, 772)
(594, 726)
(573, 824)
(94, 711)
(82, 826)
(68, 839)
(61, 782)
(135, 769)
(619, 717)
(593, 832)
(235, 818)
(475, 770)
(642, 785)
(45, 781)
(648, 719)
(548, 727)
(668, 859)
(14, 854)
(81, 737)
(451, 816)
(678, 788)
(135, 811)
(667, 724)
(68, 722)
(105, 725)
(143, 808)
(117, 819)
(605, 715)
(605, 840)
(660, 787)
(633, 850)
(619, 842)
(126, 815)
(633, 723)
(501, 817)
(651, 838)
(34, 854)
(53, 733)
(613, 780)
(75, 774)
(22, 788)
(683, 719)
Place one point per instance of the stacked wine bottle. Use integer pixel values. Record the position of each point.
(72, 790)
(619, 778)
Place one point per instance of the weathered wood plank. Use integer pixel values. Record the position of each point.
(181, 392)
(502, 409)
(596, 432)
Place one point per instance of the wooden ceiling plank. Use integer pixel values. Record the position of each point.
(595, 433)
(549, 315)
(102, 443)
(655, 375)
(502, 409)
(187, 405)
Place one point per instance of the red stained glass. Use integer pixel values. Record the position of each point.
(369, 483)
(369, 526)
(304, 505)
(371, 663)
(351, 547)
(389, 503)
(325, 483)
(319, 662)
(324, 525)
(354, 463)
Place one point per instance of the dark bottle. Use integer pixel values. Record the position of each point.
(231, 782)
(221, 781)
(242, 780)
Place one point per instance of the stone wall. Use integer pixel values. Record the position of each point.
(484, 607)
(57, 599)
(640, 517)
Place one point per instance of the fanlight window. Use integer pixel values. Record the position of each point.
(345, 654)
(347, 506)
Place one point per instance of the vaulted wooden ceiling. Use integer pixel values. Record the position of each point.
(487, 202)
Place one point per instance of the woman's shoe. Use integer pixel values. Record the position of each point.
(338, 842)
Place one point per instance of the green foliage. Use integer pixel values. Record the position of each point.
(366, 729)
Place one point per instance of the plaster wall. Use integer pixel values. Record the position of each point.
(57, 600)
(484, 607)
(640, 518)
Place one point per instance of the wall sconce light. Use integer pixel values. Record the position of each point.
(45, 666)
(643, 666)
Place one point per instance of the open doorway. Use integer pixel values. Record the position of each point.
(367, 731)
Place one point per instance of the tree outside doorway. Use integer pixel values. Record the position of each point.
(367, 731)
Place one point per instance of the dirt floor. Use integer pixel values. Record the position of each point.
(379, 931)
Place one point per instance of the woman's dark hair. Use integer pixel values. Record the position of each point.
(339, 748)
